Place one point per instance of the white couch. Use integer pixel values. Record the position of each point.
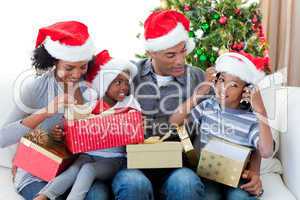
(278, 182)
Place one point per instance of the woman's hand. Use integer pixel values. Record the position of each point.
(57, 133)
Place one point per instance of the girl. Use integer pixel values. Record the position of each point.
(110, 77)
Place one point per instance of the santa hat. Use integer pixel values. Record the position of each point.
(165, 29)
(68, 41)
(242, 65)
(106, 69)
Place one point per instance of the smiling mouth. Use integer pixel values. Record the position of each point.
(122, 95)
(178, 69)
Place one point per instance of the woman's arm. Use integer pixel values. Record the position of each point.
(19, 122)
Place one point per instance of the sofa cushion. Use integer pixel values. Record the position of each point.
(290, 140)
(7, 189)
(7, 155)
(274, 188)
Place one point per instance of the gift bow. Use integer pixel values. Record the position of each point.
(38, 136)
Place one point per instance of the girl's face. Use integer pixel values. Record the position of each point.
(71, 71)
(119, 88)
(229, 90)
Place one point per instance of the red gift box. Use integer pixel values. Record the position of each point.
(104, 131)
(45, 162)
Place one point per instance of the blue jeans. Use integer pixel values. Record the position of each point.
(98, 191)
(179, 184)
(217, 191)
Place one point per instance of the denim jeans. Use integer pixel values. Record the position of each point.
(217, 191)
(178, 184)
(98, 191)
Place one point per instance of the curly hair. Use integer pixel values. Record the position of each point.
(42, 60)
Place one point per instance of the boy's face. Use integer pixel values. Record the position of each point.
(170, 62)
(119, 88)
(229, 90)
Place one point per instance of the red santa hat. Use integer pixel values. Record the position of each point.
(106, 69)
(242, 65)
(165, 29)
(68, 41)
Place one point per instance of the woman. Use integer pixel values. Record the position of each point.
(63, 51)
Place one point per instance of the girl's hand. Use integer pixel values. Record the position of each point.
(57, 133)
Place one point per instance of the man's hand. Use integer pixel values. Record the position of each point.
(210, 74)
(254, 185)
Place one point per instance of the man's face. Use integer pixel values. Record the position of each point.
(170, 62)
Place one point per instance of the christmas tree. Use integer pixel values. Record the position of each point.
(219, 26)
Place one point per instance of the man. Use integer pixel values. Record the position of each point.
(163, 83)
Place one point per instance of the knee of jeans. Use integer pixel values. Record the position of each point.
(238, 194)
(131, 180)
(186, 177)
(88, 168)
(98, 191)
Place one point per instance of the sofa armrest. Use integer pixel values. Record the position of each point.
(290, 140)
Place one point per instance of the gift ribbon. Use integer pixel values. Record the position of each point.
(38, 136)
(40, 141)
(188, 148)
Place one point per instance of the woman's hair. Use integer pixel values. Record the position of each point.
(42, 60)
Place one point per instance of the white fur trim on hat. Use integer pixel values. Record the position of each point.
(109, 72)
(70, 53)
(240, 66)
(171, 39)
(129, 101)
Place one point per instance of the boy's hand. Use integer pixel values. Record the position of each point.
(253, 96)
(254, 185)
(57, 133)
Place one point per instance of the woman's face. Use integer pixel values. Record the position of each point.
(71, 71)
(119, 88)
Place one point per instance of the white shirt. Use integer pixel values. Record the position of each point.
(163, 80)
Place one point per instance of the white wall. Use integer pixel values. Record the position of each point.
(112, 23)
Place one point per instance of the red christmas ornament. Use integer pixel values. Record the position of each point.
(234, 46)
(223, 20)
(238, 11)
(254, 19)
(240, 45)
(186, 8)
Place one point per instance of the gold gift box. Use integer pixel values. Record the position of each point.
(223, 161)
(158, 155)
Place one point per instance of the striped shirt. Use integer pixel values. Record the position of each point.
(234, 125)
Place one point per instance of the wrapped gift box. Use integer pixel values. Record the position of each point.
(107, 130)
(223, 162)
(45, 162)
(159, 155)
